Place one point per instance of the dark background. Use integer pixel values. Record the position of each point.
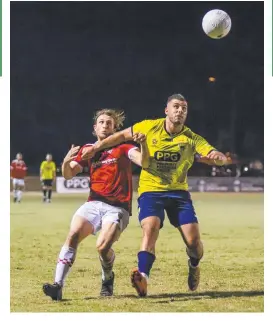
(69, 59)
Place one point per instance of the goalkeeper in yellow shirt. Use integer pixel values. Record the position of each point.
(172, 148)
(47, 177)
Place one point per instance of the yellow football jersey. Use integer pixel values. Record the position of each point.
(171, 156)
(48, 169)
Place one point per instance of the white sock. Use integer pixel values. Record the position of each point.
(65, 262)
(106, 267)
(145, 275)
(19, 195)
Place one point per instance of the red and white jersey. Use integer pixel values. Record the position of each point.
(110, 175)
(18, 169)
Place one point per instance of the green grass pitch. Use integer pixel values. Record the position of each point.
(232, 270)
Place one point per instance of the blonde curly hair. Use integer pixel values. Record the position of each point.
(117, 115)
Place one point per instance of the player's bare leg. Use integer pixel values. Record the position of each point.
(15, 191)
(110, 233)
(44, 192)
(79, 230)
(191, 236)
(19, 193)
(146, 257)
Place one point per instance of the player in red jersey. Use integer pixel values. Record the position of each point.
(18, 172)
(109, 203)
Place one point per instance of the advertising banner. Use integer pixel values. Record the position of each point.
(196, 184)
(74, 185)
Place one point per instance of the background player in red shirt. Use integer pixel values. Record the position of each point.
(18, 172)
(109, 203)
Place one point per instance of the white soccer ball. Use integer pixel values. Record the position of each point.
(216, 24)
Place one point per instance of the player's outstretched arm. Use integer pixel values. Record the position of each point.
(140, 158)
(216, 159)
(113, 140)
(70, 168)
(207, 153)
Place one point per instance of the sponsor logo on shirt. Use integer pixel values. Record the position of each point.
(104, 162)
(167, 156)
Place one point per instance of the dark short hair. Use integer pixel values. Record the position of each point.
(176, 96)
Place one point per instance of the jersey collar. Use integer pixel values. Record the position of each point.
(176, 134)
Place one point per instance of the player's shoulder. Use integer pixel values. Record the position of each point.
(123, 149)
(87, 145)
(126, 146)
(188, 132)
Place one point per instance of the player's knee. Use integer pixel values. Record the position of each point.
(194, 243)
(150, 229)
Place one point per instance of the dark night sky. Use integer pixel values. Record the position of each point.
(70, 58)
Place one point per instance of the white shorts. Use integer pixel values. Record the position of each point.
(18, 182)
(99, 213)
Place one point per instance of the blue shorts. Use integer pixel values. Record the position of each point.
(177, 204)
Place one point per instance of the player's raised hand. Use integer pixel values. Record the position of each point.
(88, 152)
(218, 158)
(72, 153)
(215, 155)
(139, 138)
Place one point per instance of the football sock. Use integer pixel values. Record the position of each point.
(44, 191)
(195, 255)
(145, 262)
(49, 194)
(19, 195)
(106, 267)
(65, 262)
(15, 193)
(194, 261)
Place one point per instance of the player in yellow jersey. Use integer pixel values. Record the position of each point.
(172, 148)
(47, 176)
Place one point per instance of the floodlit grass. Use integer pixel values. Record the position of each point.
(232, 270)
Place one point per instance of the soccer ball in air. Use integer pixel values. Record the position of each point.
(216, 24)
